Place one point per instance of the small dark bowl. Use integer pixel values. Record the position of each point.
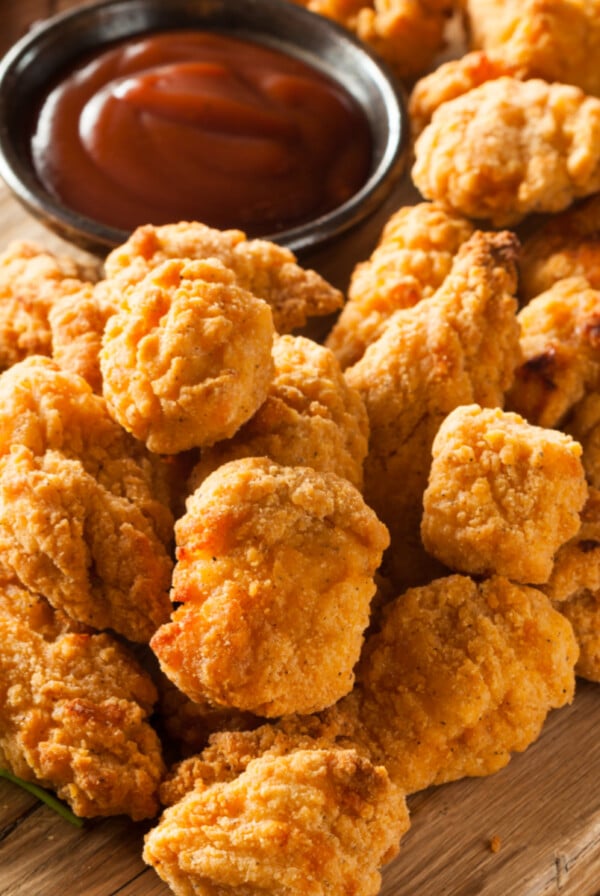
(34, 61)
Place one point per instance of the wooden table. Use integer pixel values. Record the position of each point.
(544, 807)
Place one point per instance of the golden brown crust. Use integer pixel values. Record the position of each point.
(83, 514)
(560, 343)
(271, 560)
(310, 418)
(263, 268)
(74, 709)
(503, 496)
(285, 825)
(458, 346)
(509, 148)
(413, 257)
(187, 358)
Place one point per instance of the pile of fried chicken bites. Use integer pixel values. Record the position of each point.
(259, 589)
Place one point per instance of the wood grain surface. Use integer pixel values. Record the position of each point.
(544, 807)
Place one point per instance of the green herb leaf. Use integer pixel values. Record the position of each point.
(51, 801)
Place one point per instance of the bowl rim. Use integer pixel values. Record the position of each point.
(316, 233)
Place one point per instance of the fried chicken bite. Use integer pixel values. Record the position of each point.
(187, 358)
(265, 269)
(84, 516)
(452, 79)
(32, 280)
(310, 418)
(406, 33)
(567, 245)
(459, 676)
(411, 260)
(556, 41)
(503, 496)
(274, 577)
(311, 822)
(74, 709)
(77, 323)
(560, 343)
(457, 347)
(574, 587)
(509, 148)
(583, 424)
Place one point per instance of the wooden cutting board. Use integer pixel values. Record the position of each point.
(542, 811)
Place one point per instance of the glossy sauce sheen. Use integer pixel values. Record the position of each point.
(193, 125)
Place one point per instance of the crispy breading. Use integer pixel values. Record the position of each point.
(503, 496)
(77, 323)
(460, 676)
(83, 507)
(509, 148)
(411, 260)
(406, 33)
(274, 577)
(265, 269)
(574, 587)
(186, 360)
(310, 418)
(557, 40)
(456, 347)
(583, 423)
(32, 280)
(74, 710)
(560, 343)
(306, 824)
(452, 79)
(567, 245)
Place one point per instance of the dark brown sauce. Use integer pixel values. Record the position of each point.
(194, 125)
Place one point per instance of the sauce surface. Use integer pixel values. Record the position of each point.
(191, 125)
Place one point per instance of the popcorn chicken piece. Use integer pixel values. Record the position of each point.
(31, 282)
(265, 269)
(509, 148)
(84, 516)
(274, 575)
(74, 710)
(568, 245)
(406, 33)
(503, 495)
(560, 343)
(413, 257)
(187, 358)
(456, 347)
(583, 424)
(574, 587)
(453, 79)
(310, 418)
(312, 822)
(556, 41)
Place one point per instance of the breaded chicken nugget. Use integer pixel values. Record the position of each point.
(456, 347)
(265, 269)
(74, 710)
(502, 496)
(311, 823)
(77, 323)
(557, 40)
(560, 343)
(574, 587)
(568, 245)
(83, 508)
(509, 148)
(187, 358)
(413, 257)
(453, 79)
(310, 418)
(406, 33)
(274, 575)
(32, 280)
(459, 676)
(583, 423)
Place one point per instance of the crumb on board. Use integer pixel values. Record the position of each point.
(495, 843)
